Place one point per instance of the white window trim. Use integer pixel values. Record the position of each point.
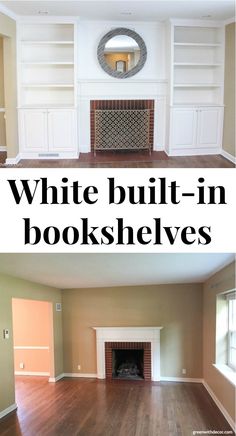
(227, 372)
(230, 296)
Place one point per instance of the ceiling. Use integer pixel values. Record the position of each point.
(65, 271)
(134, 10)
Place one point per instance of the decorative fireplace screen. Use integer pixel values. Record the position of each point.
(122, 129)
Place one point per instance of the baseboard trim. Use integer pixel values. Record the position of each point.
(13, 160)
(193, 152)
(158, 148)
(56, 379)
(80, 375)
(30, 348)
(3, 148)
(8, 410)
(33, 373)
(228, 156)
(182, 379)
(220, 406)
(170, 379)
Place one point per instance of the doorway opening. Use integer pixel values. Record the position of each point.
(33, 338)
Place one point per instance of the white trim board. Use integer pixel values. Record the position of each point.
(80, 375)
(56, 379)
(6, 11)
(52, 19)
(194, 152)
(195, 22)
(8, 410)
(220, 406)
(162, 379)
(3, 148)
(33, 373)
(71, 375)
(181, 379)
(23, 347)
(102, 96)
(228, 156)
(13, 160)
(229, 21)
(82, 80)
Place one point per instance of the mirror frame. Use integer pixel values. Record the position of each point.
(101, 56)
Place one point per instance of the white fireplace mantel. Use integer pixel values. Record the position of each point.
(128, 334)
(120, 89)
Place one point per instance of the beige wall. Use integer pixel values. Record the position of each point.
(229, 100)
(222, 388)
(16, 288)
(2, 100)
(8, 30)
(178, 308)
(1, 74)
(2, 130)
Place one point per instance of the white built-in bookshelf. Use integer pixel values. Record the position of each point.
(46, 64)
(196, 92)
(197, 65)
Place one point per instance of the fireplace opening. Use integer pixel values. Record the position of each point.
(142, 358)
(128, 364)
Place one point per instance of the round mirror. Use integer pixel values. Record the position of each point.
(122, 53)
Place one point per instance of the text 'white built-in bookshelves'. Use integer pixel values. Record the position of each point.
(46, 64)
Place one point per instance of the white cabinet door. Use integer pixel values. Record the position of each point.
(209, 127)
(184, 128)
(62, 130)
(33, 128)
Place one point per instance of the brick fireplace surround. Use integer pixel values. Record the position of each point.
(145, 346)
(121, 105)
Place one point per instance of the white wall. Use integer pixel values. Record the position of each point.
(90, 33)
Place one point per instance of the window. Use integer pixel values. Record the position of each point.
(231, 299)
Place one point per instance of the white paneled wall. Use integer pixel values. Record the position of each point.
(90, 33)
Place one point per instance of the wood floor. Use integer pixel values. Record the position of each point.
(89, 407)
(214, 161)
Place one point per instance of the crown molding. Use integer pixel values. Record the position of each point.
(7, 12)
(229, 21)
